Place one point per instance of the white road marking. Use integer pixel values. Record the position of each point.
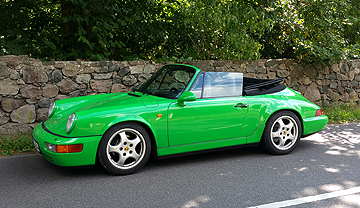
(310, 198)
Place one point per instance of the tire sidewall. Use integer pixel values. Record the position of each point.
(102, 149)
(266, 138)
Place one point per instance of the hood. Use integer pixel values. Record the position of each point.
(98, 105)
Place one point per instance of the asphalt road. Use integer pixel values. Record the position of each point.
(324, 166)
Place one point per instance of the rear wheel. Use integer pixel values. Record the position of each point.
(282, 133)
(124, 149)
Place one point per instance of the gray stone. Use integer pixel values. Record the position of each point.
(333, 76)
(5, 72)
(117, 79)
(353, 96)
(8, 87)
(70, 70)
(261, 76)
(114, 67)
(306, 81)
(138, 69)
(44, 103)
(143, 77)
(56, 76)
(342, 77)
(354, 84)
(13, 129)
(351, 75)
(30, 91)
(129, 80)
(323, 89)
(357, 78)
(150, 68)
(335, 68)
(344, 68)
(67, 85)
(260, 62)
(101, 85)
(123, 72)
(345, 97)
(334, 96)
(24, 114)
(10, 104)
(78, 93)
(102, 76)
(270, 62)
(59, 65)
(42, 114)
(3, 118)
(32, 75)
(333, 85)
(14, 75)
(181, 76)
(83, 78)
(50, 91)
(312, 93)
(296, 71)
(88, 70)
(283, 73)
(310, 71)
(272, 75)
(118, 88)
(252, 68)
(282, 66)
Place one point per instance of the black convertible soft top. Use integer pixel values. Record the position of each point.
(254, 86)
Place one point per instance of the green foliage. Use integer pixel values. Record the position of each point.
(11, 145)
(324, 31)
(312, 31)
(341, 113)
(29, 27)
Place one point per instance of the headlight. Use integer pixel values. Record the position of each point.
(51, 108)
(70, 123)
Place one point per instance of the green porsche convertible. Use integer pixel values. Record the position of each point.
(179, 110)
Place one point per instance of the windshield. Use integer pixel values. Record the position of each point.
(169, 81)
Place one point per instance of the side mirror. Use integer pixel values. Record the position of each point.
(186, 96)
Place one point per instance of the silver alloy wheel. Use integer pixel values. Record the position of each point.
(126, 148)
(284, 132)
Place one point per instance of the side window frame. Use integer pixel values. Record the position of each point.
(202, 86)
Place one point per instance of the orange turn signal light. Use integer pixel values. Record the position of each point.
(69, 148)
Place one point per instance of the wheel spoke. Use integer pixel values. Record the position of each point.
(122, 160)
(123, 137)
(114, 149)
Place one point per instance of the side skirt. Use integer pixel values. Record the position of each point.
(205, 151)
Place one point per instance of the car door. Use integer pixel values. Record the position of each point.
(217, 114)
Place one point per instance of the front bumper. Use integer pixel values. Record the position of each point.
(314, 124)
(86, 157)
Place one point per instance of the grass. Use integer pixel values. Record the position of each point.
(16, 145)
(342, 113)
(337, 113)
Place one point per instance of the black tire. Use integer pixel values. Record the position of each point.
(282, 133)
(124, 148)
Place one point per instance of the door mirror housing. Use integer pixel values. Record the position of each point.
(186, 96)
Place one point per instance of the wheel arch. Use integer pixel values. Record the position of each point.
(291, 110)
(142, 124)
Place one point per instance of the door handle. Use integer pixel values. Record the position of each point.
(241, 105)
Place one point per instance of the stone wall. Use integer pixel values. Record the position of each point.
(27, 86)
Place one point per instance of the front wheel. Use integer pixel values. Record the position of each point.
(124, 149)
(282, 133)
